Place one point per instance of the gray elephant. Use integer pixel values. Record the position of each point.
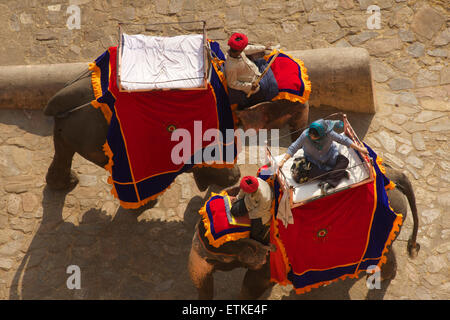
(81, 128)
(204, 259)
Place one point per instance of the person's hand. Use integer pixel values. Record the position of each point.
(281, 164)
(255, 86)
(364, 150)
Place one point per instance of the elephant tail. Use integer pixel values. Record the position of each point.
(404, 185)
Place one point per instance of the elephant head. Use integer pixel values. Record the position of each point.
(253, 254)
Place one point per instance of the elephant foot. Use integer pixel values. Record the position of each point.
(57, 183)
(413, 249)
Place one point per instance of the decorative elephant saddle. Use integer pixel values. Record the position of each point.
(220, 225)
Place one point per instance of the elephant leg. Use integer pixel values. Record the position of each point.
(59, 175)
(201, 274)
(255, 283)
(389, 269)
(387, 274)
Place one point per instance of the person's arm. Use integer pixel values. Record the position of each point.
(363, 150)
(293, 148)
(254, 48)
(231, 74)
(343, 139)
(240, 195)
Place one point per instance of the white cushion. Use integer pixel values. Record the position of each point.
(149, 62)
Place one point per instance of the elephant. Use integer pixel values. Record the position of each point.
(204, 259)
(81, 128)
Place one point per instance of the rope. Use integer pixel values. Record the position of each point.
(301, 129)
(80, 76)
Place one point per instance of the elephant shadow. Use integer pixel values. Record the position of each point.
(32, 121)
(118, 258)
(347, 289)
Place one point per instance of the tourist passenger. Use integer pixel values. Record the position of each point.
(320, 150)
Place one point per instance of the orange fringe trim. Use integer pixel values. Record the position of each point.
(97, 88)
(392, 236)
(391, 184)
(280, 247)
(127, 205)
(305, 79)
(276, 236)
(229, 237)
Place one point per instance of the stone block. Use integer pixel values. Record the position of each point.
(416, 50)
(383, 47)
(319, 16)
(308, 5)
(426, 78)
(401, 17)
(250, 14)
(381, 72)
(406, 35)
(327, 26)
(362, 37)
(443, 38)
(414, 161)
(426, 116)
(426, 22)
(438, 53)
(401, 84)
(346, 4)
(445, 75)
(387, 142)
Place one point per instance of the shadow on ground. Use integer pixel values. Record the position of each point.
(348, 289)
(32, 121)
(119, 258)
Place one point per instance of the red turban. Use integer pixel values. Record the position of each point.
(238, 41)
(249, 184)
